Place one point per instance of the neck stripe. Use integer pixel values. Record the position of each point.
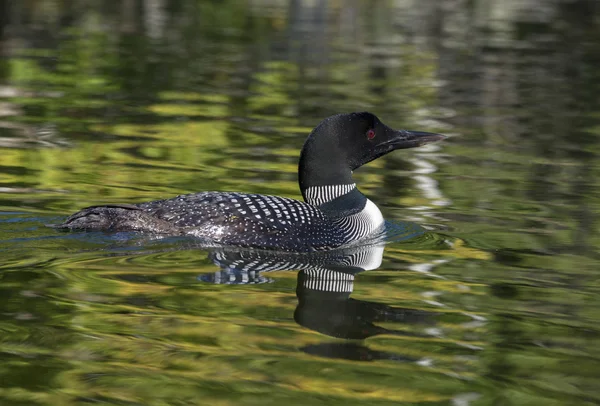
(317, 195)
(326, 280)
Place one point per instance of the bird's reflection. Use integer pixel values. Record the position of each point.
(325, 283)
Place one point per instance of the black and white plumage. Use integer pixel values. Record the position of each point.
(325, 283)
(335, 213)
(331, 271)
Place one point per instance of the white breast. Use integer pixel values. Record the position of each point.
(374, 216)
(363, 223)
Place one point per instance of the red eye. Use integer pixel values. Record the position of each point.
(370, 134)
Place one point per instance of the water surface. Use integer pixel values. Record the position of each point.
(487, 295)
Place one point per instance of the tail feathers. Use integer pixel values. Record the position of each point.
(116, 217)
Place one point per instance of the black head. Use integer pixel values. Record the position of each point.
(344, 142)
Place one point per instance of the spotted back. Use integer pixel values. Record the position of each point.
(249, 220)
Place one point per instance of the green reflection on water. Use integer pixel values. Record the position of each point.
(101, 104)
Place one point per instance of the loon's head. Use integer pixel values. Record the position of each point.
(344, 142)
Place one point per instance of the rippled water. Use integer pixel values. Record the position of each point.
(488, 293)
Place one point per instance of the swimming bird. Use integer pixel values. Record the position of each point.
(334, 212)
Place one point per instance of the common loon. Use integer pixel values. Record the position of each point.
(335, 212)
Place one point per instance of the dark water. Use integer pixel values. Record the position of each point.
(488, 295)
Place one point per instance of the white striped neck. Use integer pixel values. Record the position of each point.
(318, 195)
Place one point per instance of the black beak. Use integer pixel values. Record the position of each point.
(399, 139)
(409, 139)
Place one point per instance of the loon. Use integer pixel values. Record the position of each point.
(334, 212)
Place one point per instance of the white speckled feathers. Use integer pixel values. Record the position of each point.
(249, 220)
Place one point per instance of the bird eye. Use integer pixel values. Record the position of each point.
(371, 134)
